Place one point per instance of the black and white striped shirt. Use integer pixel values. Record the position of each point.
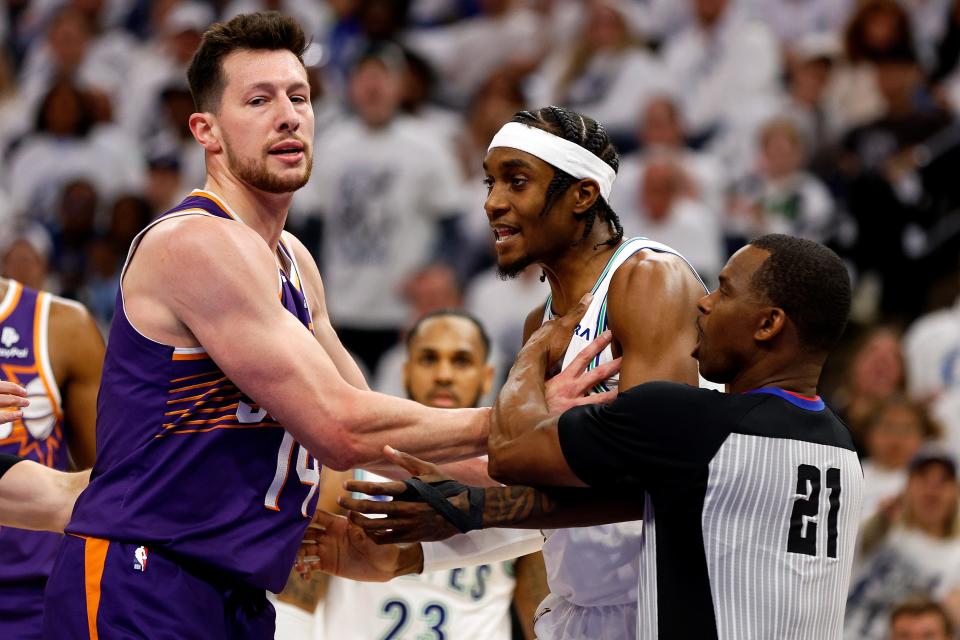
(751, 507)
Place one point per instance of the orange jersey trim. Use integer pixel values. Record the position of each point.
(210, 410)
(216, 201)
(94, 559)
(14, 301)
(196, 375)
(232, 396)
(191, 356)
(38, 357)
(259, 425)
(199, 386)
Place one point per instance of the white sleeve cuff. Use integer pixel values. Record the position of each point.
(483, 546)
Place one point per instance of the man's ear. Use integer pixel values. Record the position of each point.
(771, 324)
(204, 128)
(585, 193)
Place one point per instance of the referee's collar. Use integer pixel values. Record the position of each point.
(804, 402)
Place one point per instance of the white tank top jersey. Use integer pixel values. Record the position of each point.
(596, 569)
(460, 603)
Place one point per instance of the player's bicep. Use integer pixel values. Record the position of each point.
(651, 311)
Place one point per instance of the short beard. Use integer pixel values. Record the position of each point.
(512, 271)
(255, 174)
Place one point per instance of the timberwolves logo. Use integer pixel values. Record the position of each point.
(8, 338)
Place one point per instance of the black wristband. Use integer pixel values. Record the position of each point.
(435, 494)
(7, 461)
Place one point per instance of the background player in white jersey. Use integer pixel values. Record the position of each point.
(752, 497)
(447, 366)
(549, 175)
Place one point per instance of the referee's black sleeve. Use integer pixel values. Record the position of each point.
(652, 435)
(7, 461)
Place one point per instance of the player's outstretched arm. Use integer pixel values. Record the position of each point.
(517, 507)
(33, 496)
(219, 281)
(13, 398)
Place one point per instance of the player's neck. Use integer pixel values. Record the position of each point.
(265, 213)
(576, 271)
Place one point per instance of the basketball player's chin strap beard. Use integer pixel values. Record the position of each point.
(436, 494)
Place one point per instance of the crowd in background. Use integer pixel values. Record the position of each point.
(834, 120)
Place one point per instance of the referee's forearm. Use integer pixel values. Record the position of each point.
(518, 507)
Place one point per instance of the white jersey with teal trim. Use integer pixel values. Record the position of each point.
(593, 572)
(460, 603)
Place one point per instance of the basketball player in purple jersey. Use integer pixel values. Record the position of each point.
(52, 348)
(224, 383)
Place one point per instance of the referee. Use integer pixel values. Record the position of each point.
(750, 498)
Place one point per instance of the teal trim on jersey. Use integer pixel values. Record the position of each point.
(596, 285)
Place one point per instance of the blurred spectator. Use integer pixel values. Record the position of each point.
(161, 62)
(885, 191)
(466, 53)
(172, 137)
(67, 143)
(73, 48)
(417, 93)
(26, 258)
(99, 289)
(385, 190)
(808, 75)
(604, 72)
(662, 129)
(164, 185)
(931, 347)
(791, 22)
(893, 435)
(725, 69)
(875, 373)
(129, 216)
(668, 209)
(945, 73)
(910, 548)
(314, 17)
(779, 196)
(14, 113)
(76, 220)
(920, 618)
(877, 29)
(929, 20)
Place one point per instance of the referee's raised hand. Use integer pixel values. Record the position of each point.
(13, 398)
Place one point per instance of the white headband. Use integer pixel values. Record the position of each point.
(562, 154)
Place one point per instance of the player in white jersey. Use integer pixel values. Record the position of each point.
(447, 366)
(549, 175)
(750, 499)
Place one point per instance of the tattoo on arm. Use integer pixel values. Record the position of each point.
(530, 508)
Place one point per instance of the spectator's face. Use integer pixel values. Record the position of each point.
(24, 264)
(924, 626)
(931, 495)
(808, 80)
(163, 187)
(447, 364)
(432, 289)
(897, 81)
(726, 322)
(877, 369)
(375, 92)
(69, 37)
(517, 185)
(661, 125)
(265, 122)
(659, 191)
(782, 153)
(605, 28)
(63, 111)
(709, 12)
(881, 29)
(896, 436)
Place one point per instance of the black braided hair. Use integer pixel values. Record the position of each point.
(589, 134)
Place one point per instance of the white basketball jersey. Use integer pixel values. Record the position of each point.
(461, 603)
(599, 566)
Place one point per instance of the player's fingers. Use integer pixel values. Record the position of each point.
(375, 488)
(379, 506)
(8, 388)
(10, 400)
(599, 374)
(373, 524)
(415, 466)
(589, 352)
(596, 398)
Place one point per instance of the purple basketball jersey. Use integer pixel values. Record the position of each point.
(185, 462)
(28, 555)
